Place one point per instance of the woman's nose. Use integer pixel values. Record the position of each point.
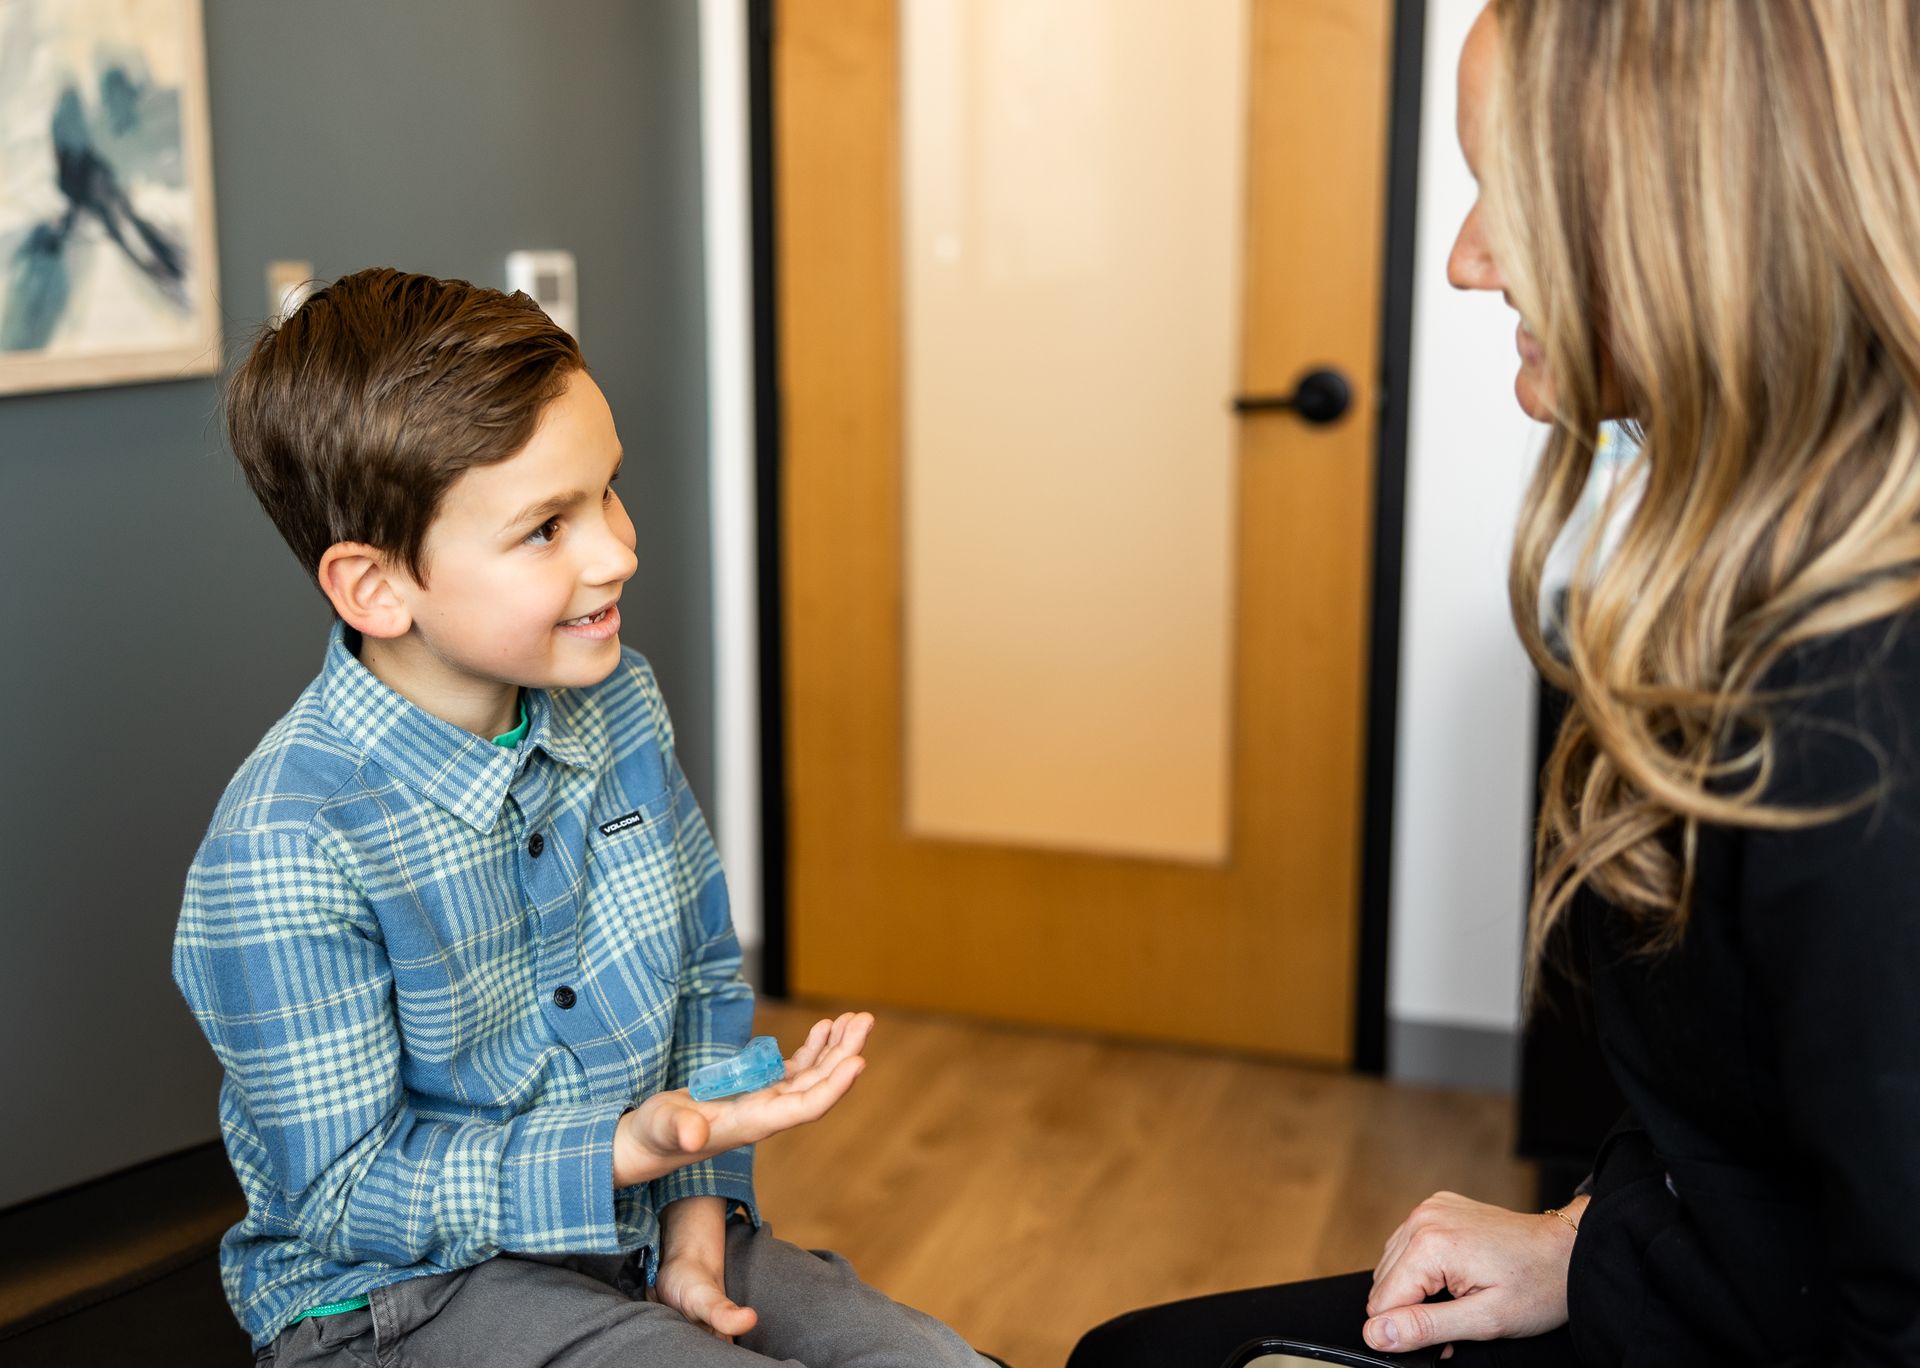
(1470, 264)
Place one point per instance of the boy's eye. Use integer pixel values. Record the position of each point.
(545, 532)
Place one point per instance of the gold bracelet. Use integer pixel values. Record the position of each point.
(1572, 1224)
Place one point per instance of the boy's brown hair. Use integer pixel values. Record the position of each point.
(355, 414)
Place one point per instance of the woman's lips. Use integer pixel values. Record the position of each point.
(1529, 346)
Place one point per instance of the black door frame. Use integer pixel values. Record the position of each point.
(1383, 688)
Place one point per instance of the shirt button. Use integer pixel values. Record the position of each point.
(563, 997)
(535, 844)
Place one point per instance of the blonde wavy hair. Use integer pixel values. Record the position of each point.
(1709, 212)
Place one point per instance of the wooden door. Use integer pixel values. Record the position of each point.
(1256, 950)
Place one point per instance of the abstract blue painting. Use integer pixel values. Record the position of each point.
(107, 270)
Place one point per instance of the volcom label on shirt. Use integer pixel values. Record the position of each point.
(632, 819)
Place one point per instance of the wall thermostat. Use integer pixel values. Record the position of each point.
(551, 279)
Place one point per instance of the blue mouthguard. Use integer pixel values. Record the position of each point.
(757, 1066)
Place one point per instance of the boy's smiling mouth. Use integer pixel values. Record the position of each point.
(595, 626)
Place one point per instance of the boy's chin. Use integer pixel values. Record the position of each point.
(586, 667)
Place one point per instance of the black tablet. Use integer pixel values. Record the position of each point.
(1278, 1352)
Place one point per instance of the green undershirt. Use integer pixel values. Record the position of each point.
(507, 740)
(517, 735)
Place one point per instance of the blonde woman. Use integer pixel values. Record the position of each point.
(1707, 214)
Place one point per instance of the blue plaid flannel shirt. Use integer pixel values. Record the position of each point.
(436, 971)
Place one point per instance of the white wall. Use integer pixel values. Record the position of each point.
(725, 190)
(1465, 769)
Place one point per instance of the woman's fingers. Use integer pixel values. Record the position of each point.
(1419, 1271)
(1390, 1252)
(1507, 1272)
(1423, 1325)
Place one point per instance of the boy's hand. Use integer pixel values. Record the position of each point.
(692, 1280)
(670, 1130)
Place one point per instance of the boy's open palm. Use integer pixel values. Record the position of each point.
(670, 1130)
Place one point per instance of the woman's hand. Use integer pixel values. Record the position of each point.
(670, 1130)
(1507, 1271)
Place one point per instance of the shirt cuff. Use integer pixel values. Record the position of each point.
(728, 1176)
(556, 1180)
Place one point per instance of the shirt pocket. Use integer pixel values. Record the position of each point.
(635, 894)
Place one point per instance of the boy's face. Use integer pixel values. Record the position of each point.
(525, 564)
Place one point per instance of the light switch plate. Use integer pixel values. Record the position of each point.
(552, 279)
(288, 285)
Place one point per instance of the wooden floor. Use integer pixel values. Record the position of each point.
(1024, 1186)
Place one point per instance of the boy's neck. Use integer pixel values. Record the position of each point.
(487, 708)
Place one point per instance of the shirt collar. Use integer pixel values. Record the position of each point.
(466, 774)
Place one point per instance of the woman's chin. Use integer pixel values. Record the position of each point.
(1535, 399)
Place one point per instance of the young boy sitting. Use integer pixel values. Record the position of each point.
(457, 931)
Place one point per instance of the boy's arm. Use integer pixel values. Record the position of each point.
(714, 1017)
(693, 1247)
(285, 969)
(693, 1281)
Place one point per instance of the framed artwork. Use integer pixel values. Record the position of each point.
(107, 268)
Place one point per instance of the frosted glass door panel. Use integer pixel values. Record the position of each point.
(1072, 175)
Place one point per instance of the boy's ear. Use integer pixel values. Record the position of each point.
(365, 590)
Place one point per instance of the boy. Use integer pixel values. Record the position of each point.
(457, 932)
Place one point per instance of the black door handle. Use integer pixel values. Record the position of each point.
(1320, 397)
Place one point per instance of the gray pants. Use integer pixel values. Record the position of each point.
(585, 1311)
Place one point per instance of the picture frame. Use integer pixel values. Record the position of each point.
(108, 265)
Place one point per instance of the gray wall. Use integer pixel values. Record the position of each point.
(154, 625)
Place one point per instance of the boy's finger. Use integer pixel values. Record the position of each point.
(698, 1301)
(678, 1130)
(859, 1031)
(837, 1083)
(812, 1102)
(753, 1117)
(730, 1318)
(822, 1069)
(834, 1050)
(811, 1047)
(849, 1034)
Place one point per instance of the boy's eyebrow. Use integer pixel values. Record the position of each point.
(540, 512)
(546, 508)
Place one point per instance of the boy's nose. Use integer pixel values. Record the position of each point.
(614, 561)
